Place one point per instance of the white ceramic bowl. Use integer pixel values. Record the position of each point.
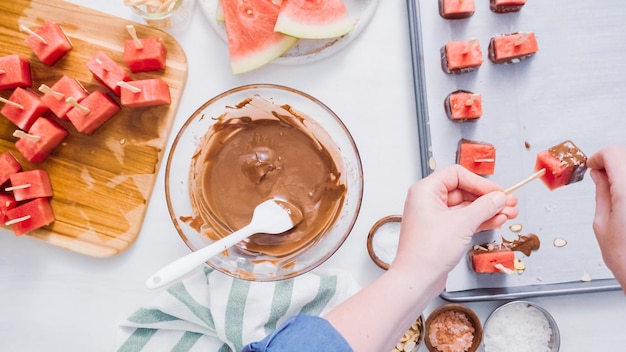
(237, 262)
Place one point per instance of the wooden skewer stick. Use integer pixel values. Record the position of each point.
(133, 34)
(104, 67)
(522, 39)
(17, 220)
(470, 44)
(503, 269)
(128, 86)
(12, 103)
(22, 134)
(47, 90)
(485, 160)
(523, 182)
(29, 31)
(85, 110)
(24, 186)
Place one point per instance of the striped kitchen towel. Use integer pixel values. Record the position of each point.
(211, 311)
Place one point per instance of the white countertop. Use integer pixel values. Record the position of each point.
(54, 299)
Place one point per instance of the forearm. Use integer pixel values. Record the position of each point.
(377, 317)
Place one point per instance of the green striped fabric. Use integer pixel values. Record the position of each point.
(211, 311)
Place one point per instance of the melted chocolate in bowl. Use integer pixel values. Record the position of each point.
(259, 150)
(253, 143)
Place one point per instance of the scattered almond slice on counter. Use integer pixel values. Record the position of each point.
(586, 277)
(519, 265)
(516, 227)
(559, 242)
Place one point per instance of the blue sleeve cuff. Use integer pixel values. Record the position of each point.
(302, 333)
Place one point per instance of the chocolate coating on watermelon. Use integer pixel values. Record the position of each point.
(565, 163)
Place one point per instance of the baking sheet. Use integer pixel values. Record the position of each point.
(573, 88)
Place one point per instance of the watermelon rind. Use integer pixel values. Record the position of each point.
(252, 41)
(245, 63)
(318, 20)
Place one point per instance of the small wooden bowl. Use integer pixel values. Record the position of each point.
(473, 318)
(370, 239)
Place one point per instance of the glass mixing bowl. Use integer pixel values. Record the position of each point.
(181, 188)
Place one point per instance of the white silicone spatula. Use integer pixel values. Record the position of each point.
(273, 216)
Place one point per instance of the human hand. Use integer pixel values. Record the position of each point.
(441, 214)
(609, 224)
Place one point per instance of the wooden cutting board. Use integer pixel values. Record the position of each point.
(102, 183)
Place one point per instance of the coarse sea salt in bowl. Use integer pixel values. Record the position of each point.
(452, 327)
(521, 326)
(382, 240)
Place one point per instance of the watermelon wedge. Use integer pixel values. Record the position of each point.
(314, 19)
(252, 41)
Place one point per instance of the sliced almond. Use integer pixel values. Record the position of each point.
(559, 242)
(516, 227)
(586, 277)
(519, 265)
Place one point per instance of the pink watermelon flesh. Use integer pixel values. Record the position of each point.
(107, 71)
(485, 262)
(312, 19)
(50, 134)
(68, 87)
(151, 57)
(38, 183)
(38, 211)
(7, 202)
(153, 92)
(8, 166)
(252, 41)
(101, 109)
(32, 106)
(14, 72)
(56, 43)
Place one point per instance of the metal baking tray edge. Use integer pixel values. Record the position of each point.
(427, 167)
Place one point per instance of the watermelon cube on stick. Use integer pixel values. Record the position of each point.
(314, 19)
(143, 55)
(456, 9)
(478, 157)
(30, 216)
(107, 71)
(7, 202)
(461, 56)
(512, 48)
(462, 105)
(14, 72)
(96, 109)
(30, 184)
(43, 137)
(564, 163)
(48, 42)
(489, 262)
(252, 41)
(23, 107)
(8, 166)
(147, 92)
(55, 97)
(504, 6)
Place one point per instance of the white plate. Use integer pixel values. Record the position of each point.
(307, 50)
